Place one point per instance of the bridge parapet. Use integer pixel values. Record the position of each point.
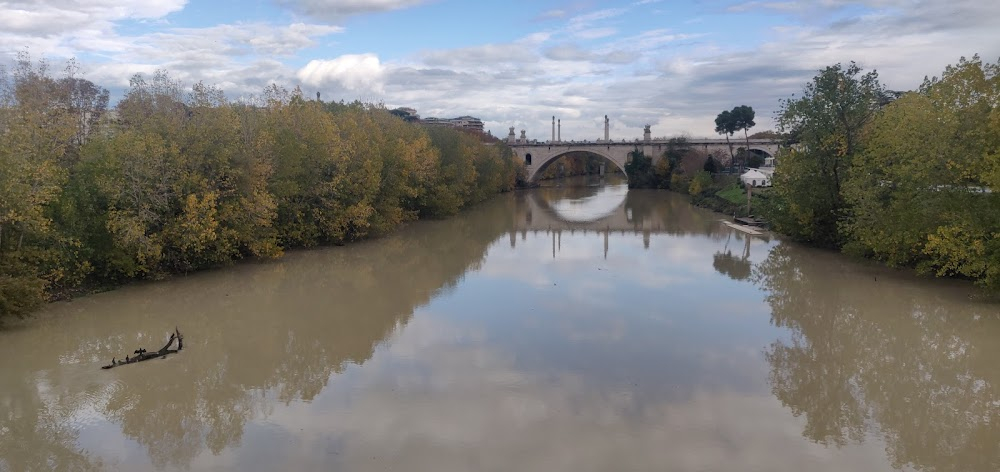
(536, 156)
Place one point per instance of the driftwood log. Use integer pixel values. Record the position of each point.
(144, 355)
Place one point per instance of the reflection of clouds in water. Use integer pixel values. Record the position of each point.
(462, 406)
(674, 277)
(508, 263)
(579, 260)
(607, 200)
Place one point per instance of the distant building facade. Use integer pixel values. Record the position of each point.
(463, 122)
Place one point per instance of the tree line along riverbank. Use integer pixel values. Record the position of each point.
(175, 180)
(908, 178)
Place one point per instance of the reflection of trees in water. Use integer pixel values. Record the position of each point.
(911, 360)
(674, 213)
(33, 433)
(736, 268)
(311, 315)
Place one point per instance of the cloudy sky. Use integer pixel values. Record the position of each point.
(671, 64)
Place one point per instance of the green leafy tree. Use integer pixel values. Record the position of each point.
(767, 134)
(452, 184)
(700, 183)
(807, 202)
(753, 159)
(408, 161)
(639, 170)
(742, 118)
(310, 161)
(918, 194)
(725, 124)
(711, 165)
(37, 130)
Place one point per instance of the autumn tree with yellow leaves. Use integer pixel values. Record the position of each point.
(910, 179)
(184, 179)
(925, 190)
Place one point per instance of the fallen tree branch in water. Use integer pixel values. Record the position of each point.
(143, 355)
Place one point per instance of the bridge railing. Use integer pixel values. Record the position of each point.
(734, 143)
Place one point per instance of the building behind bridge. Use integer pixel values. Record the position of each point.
(466, 122)
(463, 122)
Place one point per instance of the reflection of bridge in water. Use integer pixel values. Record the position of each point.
(604, 209)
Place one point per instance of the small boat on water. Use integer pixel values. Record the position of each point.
(744, 228)
(750, 221)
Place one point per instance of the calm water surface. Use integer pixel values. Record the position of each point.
(570, 328)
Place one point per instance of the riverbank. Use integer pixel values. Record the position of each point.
(725, 195)
(730, 200)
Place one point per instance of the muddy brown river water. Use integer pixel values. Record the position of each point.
(578, 327)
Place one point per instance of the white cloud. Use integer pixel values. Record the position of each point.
(572, 52)
(355, 72)
(597, 33)
(241, 39)
(486, 54)
(45, 17)
(240, 58)
(552, 14)
(586, 19)
(335, 10)
(287, 40)
(781, 6)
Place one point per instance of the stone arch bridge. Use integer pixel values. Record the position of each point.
(538, 155)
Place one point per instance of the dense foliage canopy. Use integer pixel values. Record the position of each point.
(910, 179)
(925, 189)
(828, 119)
(177, 180)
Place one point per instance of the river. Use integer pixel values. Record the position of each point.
(576, 327)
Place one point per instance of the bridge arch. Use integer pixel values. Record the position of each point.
(767, 153)
(542, 162)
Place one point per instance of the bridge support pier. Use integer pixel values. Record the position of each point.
(606, 243)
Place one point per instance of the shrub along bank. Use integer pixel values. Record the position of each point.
(176, 180)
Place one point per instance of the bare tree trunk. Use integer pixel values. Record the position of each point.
(732, 157)
(142, 355)
(747, 153)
